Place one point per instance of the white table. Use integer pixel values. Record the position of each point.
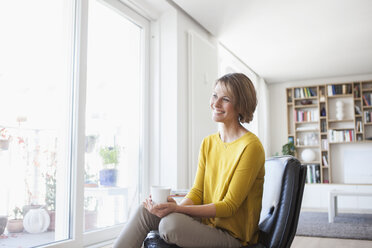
(101, 192)
(333, 194)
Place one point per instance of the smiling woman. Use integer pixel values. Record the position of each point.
(222, 208)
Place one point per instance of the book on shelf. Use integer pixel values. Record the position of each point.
(305, 115)
(338, 89)
(323, 126)
(359, 126)
(356, 91)
(313, 173)
(341, 135)
(304, 92)
(366, 102)
(344, 87)
(311, 92)
(367, 117)
(329, 90)
(325, 160)
(324, 144)
(358, 111)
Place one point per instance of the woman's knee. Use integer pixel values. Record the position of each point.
(170, 227)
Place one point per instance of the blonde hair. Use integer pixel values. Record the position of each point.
(243, 94)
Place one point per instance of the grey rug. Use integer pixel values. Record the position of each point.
(346, 226)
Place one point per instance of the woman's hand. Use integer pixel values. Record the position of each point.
(162, 209)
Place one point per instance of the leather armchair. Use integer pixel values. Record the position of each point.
(281, 204)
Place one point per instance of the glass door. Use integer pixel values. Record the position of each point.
(113, 116)
(44, 117)
(35, 121)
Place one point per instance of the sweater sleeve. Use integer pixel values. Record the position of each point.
(250, 164)
(196, 192)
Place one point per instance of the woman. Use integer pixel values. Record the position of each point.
(228, 187)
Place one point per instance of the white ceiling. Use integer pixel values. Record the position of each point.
(289, 40)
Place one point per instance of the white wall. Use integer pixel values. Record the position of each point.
(315, 196)
(203, 71)
(264, 115)
(187, 27)
(169, 101)
(168, 98)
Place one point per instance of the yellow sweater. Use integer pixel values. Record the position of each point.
(231, 175)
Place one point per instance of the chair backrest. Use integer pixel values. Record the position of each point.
(281, 203)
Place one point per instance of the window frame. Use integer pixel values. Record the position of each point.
(77, 237)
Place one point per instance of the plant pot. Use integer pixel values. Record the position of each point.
(108, 177)
(90, 220)
(4, 144)
(15, 226)
(3, 221)
(90, 185)
(52, 216)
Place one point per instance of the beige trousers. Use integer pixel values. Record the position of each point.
(179, 229)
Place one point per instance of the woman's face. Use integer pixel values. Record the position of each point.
(222, 106)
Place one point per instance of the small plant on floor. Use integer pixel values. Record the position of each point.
(17, 213)
(15, 225)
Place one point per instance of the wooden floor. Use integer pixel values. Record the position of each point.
(314, 242)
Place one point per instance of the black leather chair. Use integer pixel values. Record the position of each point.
(281, 204)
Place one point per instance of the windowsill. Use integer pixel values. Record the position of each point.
(107, 244)
(24, 239)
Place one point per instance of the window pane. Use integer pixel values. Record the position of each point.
(35, 48)
(112, 117)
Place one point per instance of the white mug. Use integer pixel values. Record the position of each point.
(159, 194)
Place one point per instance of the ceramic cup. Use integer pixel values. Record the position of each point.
(159, 194)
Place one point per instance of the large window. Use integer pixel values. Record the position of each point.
(58, 99)
(35, 48)
(113, 119)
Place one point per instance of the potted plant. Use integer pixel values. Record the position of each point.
(4, 139)
(15, 225)
(288, 149)
(90, 180)
(110, 159)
